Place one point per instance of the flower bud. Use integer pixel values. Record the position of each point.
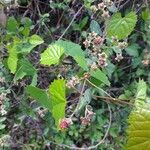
(93, 8)
(84, 121)
(86, 43)
(101, 6)
(98, 40)
(74, 81)
(119, 57)
(93, 66)
(122, 45)
(146, 62)
(86, 75)
(65, 123)
(105, 14)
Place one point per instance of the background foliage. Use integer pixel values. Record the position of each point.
(74, 74)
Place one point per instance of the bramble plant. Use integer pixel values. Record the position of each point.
(89, 75)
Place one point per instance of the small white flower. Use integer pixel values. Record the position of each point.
(94, 66)
(74, 81)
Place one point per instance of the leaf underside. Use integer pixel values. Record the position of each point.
(139, 122)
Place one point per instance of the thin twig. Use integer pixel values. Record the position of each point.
(127, 1)
(98, 87)
(121, 101)
(81, 94)
(71, 22)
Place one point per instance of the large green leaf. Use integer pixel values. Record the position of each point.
(139, 122)
(99, 75)
(75, 51)
(40, 95)
(58, 100)
(139, 128)
(12, 58)
(52, 55)
(121, 27)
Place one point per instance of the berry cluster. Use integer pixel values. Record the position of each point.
(41, 112)
(86, 120)
(65, 123)
(146, 60)
(94, 44)
(103, 8)
(120, 46)
(73, 82)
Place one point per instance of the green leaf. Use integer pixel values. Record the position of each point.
(99, 75)
(109, 69)
(52, 55)
(12, 58)
(25, 68)
(113, 8)
(26, 47)
(71, 48)
(58, 99)
(146, 14)
(2, 126)
(95, 27)
(27, 44)
(132, 50)
(25, 31)
(81, 62)
(139, 122)
(81, 25)
(121, 27)
(2, 119)
(141, 90)
(35, 40)
(26, 22)
(12, 24)
(83, 22)
(75, 51)
(40, 95)
(34, 79)
(139, 129)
